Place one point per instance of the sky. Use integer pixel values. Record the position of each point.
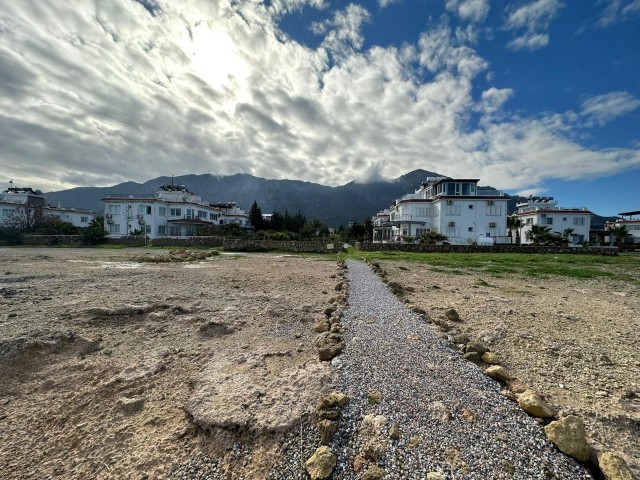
(531, 96)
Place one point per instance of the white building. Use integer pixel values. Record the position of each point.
(26, 201)
(173, 211)
(381, 234)
(545, 211)
(632, 222)
(452, 207)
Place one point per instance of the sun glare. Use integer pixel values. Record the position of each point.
(215, 58)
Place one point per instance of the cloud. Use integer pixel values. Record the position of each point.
(617, 11)
(386, 3)
(534, 18)
(110, 91)
(602, 109)
(469, 10)
(343, 33)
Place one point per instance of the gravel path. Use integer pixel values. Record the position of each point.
(452, 418)
(453, 421)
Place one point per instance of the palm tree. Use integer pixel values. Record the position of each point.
(539, 234)
(619, 232)
(514, 223)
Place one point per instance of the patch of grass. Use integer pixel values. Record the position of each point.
(622, 267)
(482, 283)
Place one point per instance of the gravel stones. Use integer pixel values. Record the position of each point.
(411, 375)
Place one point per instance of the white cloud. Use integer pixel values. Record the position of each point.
(534, 18)
(107, 92)
(617, 11)
(386, 3)
(469, 10)
(343, 31)
(602, 109)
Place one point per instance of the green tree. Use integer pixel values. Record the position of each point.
(432, 237)
(539, 234)
(619, 232)
(95, 233)
(514, 223)
(255, 217)
(277, 221)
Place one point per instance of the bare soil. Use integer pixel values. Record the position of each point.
(99, 355)
(574, 341)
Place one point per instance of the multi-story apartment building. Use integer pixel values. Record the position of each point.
(450, 206)
(545, 211)
(30, 206)
(173, 211)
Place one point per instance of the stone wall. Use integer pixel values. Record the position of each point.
(131, 241)
(399, 247)
(255, 245)
(51, 239)
(189, 242)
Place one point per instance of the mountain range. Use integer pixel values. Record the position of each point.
(333, 206)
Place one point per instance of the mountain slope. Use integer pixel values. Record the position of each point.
(331, 205)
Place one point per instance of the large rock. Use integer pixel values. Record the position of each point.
(452, 315)
(499, 372)
(569, 436)
(614, 467)
(236, 393)
(475, 346)
(373, 473)
(533, 404)
(490, 358)
(321, 463)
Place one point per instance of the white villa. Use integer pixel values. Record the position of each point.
(632, 222)
(545, 211)
(449, 206)
(173, 211)
(15, 199)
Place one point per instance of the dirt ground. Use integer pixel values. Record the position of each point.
(99, 355)
(574, 341)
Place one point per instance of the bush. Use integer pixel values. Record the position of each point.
(10, 236)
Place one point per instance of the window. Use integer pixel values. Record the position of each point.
(191, 213)
(564, 219)
(202, 214)
(84, 219)
(493, 225)
(470, 229)
(162, 211)
(452, 224)
(449, 202)
(529, 221)
(162, 229)
(548, 221)
(113, 209)
(114, 228)
(174, 230)
(175, 212)
(491, 203)
(578, 221)
(420, 231)
(470, 207)
(147, 229)
(144, 209)
(466, 188)
(451, 188)
(213, 216)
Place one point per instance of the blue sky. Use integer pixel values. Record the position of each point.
(531, 96)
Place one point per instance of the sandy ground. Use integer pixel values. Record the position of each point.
(99, 355)
(574, 341)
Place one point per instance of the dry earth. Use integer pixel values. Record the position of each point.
(574, 341)
(107, 365)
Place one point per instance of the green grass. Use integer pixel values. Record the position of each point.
(622, 267)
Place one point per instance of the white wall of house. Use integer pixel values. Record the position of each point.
(78, 218)
(633, 229)
(545, 211)
(456, 211)
(170, 213)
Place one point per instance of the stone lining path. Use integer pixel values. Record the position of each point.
(448, 419)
